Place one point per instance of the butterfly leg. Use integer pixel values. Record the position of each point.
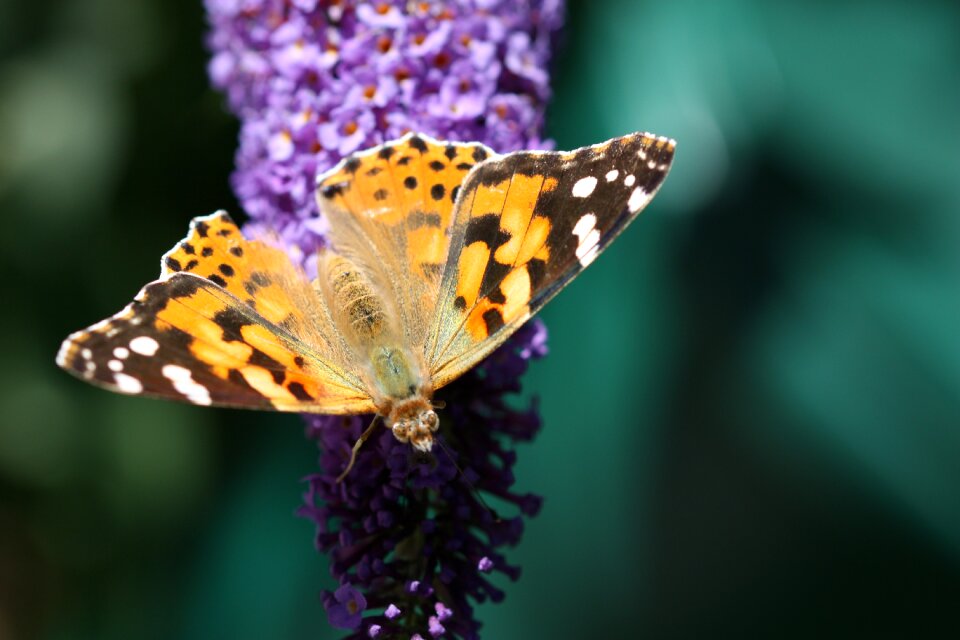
(356, 447)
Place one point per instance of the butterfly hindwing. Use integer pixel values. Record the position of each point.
(191, 338)
(525, 224)
(407, 187)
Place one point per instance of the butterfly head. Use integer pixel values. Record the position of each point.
(416, 428)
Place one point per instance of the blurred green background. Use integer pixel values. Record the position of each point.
(752, 404)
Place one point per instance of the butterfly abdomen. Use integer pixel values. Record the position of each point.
(356, 299)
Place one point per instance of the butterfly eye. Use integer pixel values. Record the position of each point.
(401, 430)
(430, 420)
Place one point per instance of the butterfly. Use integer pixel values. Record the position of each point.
(438, 252)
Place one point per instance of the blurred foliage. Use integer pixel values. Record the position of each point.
(752, 403)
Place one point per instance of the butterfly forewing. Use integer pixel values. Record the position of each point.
(525, 224)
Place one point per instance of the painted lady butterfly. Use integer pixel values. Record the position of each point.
(440, 251)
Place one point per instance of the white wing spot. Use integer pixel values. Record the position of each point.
(584, 187)
(612, 175)
(144, 345)
(86, 354)
(115, 366)
(121, 353)
(588, 238)
(629, 180)
(638, 198)
(184, 383)
(591, 254)
(127, 384)
(585, 225)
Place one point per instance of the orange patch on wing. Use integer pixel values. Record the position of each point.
(516, 290)
(517, 211)
(489, 199)
(426, 245)
(473, 264)
(535, 241)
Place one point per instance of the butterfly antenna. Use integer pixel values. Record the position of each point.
(473, 487)
(356, 447)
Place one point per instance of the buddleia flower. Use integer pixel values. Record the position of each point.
(411, 541)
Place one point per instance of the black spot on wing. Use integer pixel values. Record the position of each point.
(380, 194)
(188, 248)
(352, 164)
(226, 270)
(260, 359)
(386, 152)
(217, 280)
(237, 251)
(191, 265)
(410, 182)
(331, 191)
(206, 252)
(494, 321)
(231, 322)
(299, 392)
(437, 191)
(436, 165)
(450, 152)
(486, 229)
(173, 264)
(202, 229)
(417, 143)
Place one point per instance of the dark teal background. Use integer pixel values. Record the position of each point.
(752, 402)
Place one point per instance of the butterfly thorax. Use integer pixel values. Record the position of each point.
(402, 397)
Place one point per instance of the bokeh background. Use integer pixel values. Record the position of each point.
(752, 404)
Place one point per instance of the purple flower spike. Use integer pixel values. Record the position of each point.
(312, 81)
